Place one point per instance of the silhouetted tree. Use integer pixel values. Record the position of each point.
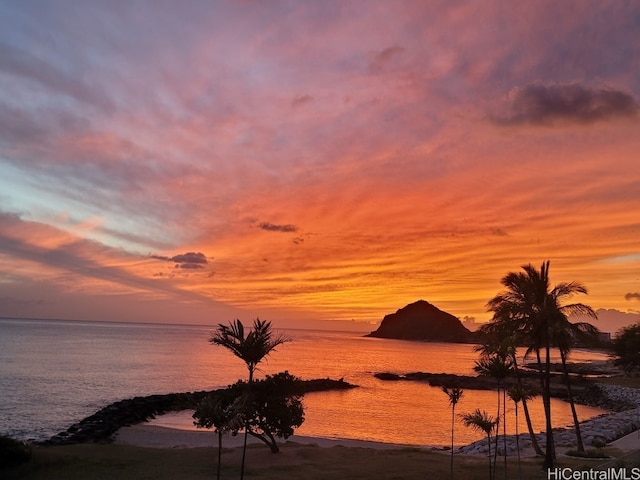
(496, 362)
(518, 394)
(532, 309)
(221, 411)
(626, 346)
(251, 348)
(565, 335)
(275, 408)
(481, 421)
(454, 395)
(496, 332)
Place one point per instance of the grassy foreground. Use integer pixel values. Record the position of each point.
(304, 462)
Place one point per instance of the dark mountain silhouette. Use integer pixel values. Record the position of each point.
(425, 322)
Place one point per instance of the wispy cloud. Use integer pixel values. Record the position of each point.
(53, 250)
(29, 67)
(632, 296)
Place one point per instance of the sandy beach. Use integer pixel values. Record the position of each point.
(143, 435)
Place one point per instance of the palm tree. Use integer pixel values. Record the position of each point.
(496, 362)
(497, 332)
(481, 421)
(221, 412)
(524, 307)
(518, 394)
(566, 334)
(454, 397)
(525, 398)
(252, 349)
(529, 307)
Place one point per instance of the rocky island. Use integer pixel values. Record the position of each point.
(424, 322)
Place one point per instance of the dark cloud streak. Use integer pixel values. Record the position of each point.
(632, 296)
(270, 227)
(538, 104)
(189, 260)
(301, 100)
(385, 57)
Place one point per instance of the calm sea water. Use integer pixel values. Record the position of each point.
(54, 373)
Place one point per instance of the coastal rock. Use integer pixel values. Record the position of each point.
(609, 397)
(480, 382)
(595, 369)
(425, 322)
(595, 432)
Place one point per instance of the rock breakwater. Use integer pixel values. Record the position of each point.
(103, 424)
(595, 432)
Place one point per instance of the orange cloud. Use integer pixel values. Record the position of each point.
(321, 167)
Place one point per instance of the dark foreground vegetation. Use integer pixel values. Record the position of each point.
(13, 452)
(109, 461)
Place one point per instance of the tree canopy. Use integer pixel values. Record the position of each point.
(271, 408)
(627, 348)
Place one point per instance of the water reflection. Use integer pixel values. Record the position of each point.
(398, 412)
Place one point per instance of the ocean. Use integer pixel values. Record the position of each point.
(54, 373)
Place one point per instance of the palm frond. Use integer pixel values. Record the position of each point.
(479, 420)
(454, 394)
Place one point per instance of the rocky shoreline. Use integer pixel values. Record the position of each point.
(596, 432)
(580, 385)
(102, 425)
(586, 390)
(623, 402)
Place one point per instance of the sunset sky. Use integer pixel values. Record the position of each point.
(200, 161)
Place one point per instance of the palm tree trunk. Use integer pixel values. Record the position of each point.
(495, 452)
(563, 357)
(246, 431)
(550, 454)
(453, 410)
(527, 416)
(219, 453)
(532, 435)
(244, 450)
(518, 444)
(489, 443)
(545, 374)
(504, 428)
